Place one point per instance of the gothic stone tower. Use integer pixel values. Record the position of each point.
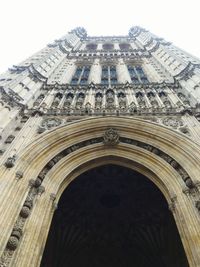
(82, 103)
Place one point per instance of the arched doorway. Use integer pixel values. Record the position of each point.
(62, 155)
(113, 216)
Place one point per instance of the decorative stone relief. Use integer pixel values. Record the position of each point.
(98, 100)
(122, 101)
(185, 130)
(10, 162)
(79, 101)
(111, 137)
(19, 175)
(172, 122)
(110, 102)
(51, 123)
(172, 205)
(184, 175)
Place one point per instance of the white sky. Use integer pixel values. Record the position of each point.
(27, 26)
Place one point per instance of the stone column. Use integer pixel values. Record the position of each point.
(95, 72)
(99, 46)
(116, 46)
(122, 72)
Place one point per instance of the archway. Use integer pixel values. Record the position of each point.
(113, 216)
(49, 164)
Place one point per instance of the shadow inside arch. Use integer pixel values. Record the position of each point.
(113, 216)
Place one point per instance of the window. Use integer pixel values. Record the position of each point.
(108, 46)
(81, 75)
(124, 46)
(105, 75)
(137, 75)
(109, 75)
(113, 75)
(91, 46)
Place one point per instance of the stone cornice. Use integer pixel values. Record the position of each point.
(162, 85)
(187, 72)
(155, 48)
(136, 56)
(36, 73)
(108, 51)
(62, 48)
(107, 38)
(11, 98)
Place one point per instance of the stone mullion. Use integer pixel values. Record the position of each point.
(138, 76)
(81, 74)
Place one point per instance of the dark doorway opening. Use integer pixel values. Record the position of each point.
(112, 216)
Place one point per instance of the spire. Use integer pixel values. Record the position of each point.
(135, 31)
(80, 32)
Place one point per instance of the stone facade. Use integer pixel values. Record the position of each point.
(85, 101)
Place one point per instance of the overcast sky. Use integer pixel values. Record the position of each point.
(27, 25)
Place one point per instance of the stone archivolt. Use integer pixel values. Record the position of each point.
(133, 145)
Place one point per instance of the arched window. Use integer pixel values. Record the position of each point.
(91, 46)
(124, 46)
(137, 75)
(81, 75)
(109, 75)
(108, 46)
